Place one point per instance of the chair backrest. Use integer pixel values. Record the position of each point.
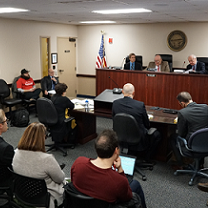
(76, 200)
(30, 191)
(198, 141)
(138, 59)
(4, 89)
(169, 59)
(204, 60)
(127, 129)
(46, 110)
(14, 88)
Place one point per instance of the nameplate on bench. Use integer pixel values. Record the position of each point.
(151, 75)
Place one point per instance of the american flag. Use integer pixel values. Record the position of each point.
(101, 58)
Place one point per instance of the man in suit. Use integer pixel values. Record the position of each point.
(137, 110)
(6, 150)
(195, 66)
(48, 83)
(132, 65)
(191, 118)
(159, 64)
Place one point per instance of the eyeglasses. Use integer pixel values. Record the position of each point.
(7, 120)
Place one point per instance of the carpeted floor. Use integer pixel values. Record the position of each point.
(162, 189)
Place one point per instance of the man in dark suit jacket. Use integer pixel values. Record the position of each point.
(6, 150)
(191, 118)
(137, 110)
(195, 66)
(132, 65)
(48, 83)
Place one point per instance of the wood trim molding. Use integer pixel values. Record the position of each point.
(86, 75)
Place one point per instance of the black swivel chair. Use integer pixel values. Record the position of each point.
(197, 148)
(138, 59)
(128, 133)
(4, 93)
(205, 61)
(169, 59)
(30, 191)
(77, 200)
(48, 115)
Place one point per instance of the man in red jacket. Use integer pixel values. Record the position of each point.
(96, 178)
(26, 85)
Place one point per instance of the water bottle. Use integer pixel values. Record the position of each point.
(86, 105)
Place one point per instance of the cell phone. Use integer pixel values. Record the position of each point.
(62, 166)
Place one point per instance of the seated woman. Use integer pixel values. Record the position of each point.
(31, 160)
(62, 105)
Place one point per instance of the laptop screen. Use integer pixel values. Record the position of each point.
(128, 164)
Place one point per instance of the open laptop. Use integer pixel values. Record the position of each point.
(128, 164)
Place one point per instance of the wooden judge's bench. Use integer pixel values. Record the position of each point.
(154, 89)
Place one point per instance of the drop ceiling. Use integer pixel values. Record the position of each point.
(74, 11)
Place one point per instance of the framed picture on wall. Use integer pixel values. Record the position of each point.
(54, 58)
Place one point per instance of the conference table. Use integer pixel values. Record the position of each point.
(155, 88)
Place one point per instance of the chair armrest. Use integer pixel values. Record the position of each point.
(183, 141)
(68, 119)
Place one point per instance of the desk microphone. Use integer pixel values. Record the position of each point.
(116, 90)
(183, 64)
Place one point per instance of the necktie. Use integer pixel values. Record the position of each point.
(158, 68)
(132, 68)
(194, 68)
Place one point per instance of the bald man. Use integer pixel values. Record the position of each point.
(48, 83)
(138, 111)
(195, 66)
(159, 64)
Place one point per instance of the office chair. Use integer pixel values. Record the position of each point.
(74, 199)
(205, 61)
(138, 59)
(30, 191)
(169, 59)
(128, 133)
(197, 148)
(17, 94)
(48, 115)
(4, 93)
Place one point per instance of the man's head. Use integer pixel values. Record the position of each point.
(25, 74)
(128, 90)
(51, 72)
(158, 60)
(132, 57)
(106, 144)
(192, 59)
(184, 98)
(3, 122)
(60, 88)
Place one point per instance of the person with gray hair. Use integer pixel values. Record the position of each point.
(6, 150)
(137, 110)
(195, 66)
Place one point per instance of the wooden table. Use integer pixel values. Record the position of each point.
(155, 88)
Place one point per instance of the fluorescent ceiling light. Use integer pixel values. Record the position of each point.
(97, 22)
(122, 11)
(11, 10)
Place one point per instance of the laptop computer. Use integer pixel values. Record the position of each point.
(128, 164)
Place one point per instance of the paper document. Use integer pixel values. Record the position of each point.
(52, 92)
(150, 116)
(82, 102)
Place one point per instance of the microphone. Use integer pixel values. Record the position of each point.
(183, 64)
(116, 90)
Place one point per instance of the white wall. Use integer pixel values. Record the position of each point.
(142, 39)
(20, 45)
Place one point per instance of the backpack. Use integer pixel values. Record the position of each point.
(20, 118)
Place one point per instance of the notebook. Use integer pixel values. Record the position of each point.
(128, 164)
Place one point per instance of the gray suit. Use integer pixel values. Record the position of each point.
(164, 66)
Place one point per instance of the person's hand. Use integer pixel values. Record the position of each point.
(117, 164)
(53, 78)
(46, 92)
(32, 89)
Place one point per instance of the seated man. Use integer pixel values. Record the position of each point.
(48, 83)
(132, 65)
(96, 178)
(137, 110)
(159, 64)
(6, 150)
(195, 66)
(191, 118)
(26, 86)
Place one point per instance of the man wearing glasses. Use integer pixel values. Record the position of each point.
(6, 150)
(159, 64)
(132, 65)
